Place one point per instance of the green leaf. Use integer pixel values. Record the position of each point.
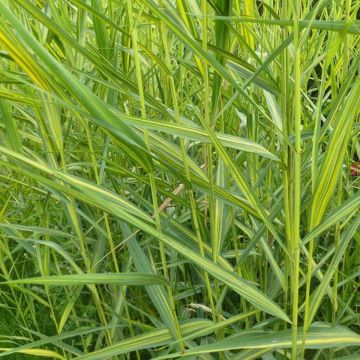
(150, 339)
(136, 279)
(318, 337)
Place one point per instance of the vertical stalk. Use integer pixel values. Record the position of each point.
(287, 175)
(286, 149)
(297, 182)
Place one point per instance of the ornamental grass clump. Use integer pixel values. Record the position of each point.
(179, 179)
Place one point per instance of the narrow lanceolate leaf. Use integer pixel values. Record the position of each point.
(136, 279)
(352, 27)
(334, 156)
(51, 339)
(38, 353)
(318, 337)
(150, 339)
(198, 134)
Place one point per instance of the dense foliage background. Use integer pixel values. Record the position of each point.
(179, 179)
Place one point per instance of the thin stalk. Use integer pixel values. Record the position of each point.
(297, 182)
(286, 157)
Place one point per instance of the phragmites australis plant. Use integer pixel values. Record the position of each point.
(179, 179)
